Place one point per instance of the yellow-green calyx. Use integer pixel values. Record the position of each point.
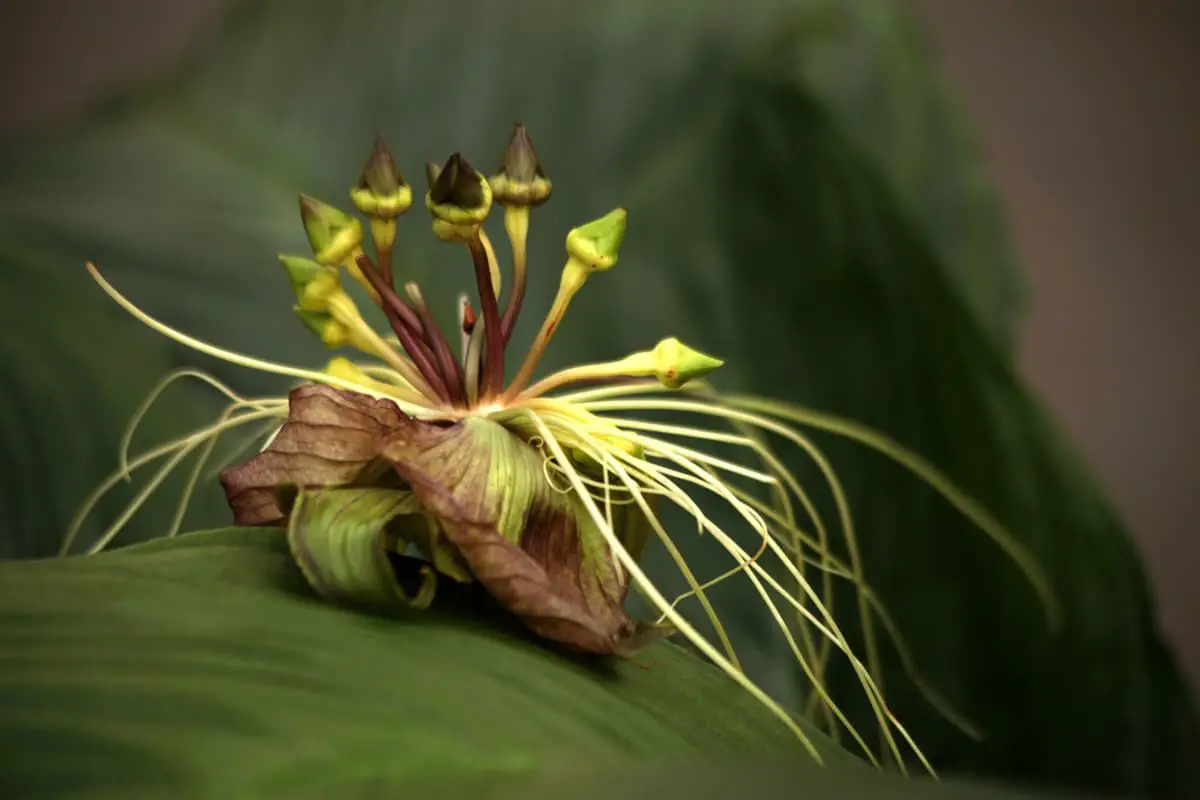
(333, 234)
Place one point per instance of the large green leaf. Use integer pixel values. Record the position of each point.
(811, 259)
(203, 666)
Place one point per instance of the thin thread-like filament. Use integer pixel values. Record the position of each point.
(181, 446)
(829, 628)
(152, 397)
(780, 472)
(680, 497)
(229, 356)
(596, 450)
(655, 597)
(189, 487)
(931, 476)
(843, 508)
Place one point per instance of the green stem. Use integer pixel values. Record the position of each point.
(516, 223)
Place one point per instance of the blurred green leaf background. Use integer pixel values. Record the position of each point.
(805, 202)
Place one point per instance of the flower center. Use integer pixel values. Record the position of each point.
(421, 367)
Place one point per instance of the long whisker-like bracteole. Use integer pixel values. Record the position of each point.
(781, 475)
(862, 434)
(156, 392)
(827, 625)
(759, 412)
(180, 448)
(834, 567)
(650, 472)
(185, 497)
(638, 490)
(660, 603)
(408, 406)
(930, 475)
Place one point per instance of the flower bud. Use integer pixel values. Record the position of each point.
(333, 234)
(332, 333)
(459, 200)
(381, 192)
(596, 244)
(314, 283)
(520, 180)
(676, 363)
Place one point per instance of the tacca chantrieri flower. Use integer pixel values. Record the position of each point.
(544, 491)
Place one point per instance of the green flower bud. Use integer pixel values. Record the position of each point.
(676, 363)
(331, 332)
(333, 234)
(381, 192)
(520, 180)
(596, 244)
(314, 283)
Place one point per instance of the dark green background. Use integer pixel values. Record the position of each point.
(803, 203)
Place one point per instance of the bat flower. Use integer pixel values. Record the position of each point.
(543, 490)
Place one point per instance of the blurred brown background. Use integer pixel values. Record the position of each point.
(1089, 114)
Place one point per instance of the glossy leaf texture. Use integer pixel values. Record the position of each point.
(784, 217)
(205, 666)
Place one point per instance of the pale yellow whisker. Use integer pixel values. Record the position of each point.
(649, 471)
(153, 454)
(148, 402)
(655, 597)
(270, 367)
(874, 694)
(596, 450)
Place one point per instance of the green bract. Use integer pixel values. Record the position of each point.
(474, 485)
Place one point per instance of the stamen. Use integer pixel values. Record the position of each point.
(419, 410)
(466, 321)
(474, 361)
